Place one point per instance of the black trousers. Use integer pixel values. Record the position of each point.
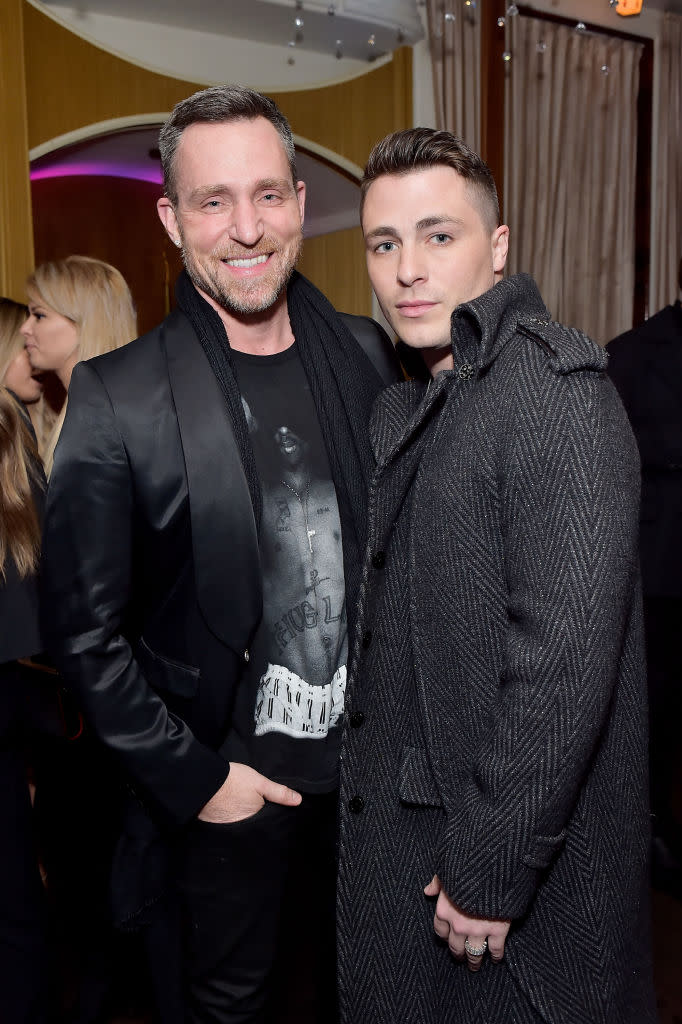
(23, 944)
(258, 912)
(78, 818)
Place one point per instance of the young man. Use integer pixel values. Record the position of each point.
(495, 733)
(162, 592)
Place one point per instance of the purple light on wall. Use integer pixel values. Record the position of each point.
(97, 168)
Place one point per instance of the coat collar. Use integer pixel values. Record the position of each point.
(480, 329)
(224, 535)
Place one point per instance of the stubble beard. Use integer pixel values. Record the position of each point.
(245, 298)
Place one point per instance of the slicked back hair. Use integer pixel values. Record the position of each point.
(220, 104)
(418, 149)
(95, 297)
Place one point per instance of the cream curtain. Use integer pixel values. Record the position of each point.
(666, 243)
(570, 170)
(456, 58)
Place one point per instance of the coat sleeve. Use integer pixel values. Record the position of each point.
(87, 578)
(570, 520)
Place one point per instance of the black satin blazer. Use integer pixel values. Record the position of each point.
(151, 574)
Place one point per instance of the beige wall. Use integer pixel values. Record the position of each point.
(336, 264)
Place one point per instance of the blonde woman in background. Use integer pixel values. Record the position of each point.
(79, 307)
(17, 374)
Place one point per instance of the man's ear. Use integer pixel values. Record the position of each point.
(300, 198)
(166, 212)
(500, 246)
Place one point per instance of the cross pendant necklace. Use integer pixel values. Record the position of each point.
(303, 501)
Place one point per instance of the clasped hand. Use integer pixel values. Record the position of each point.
(455, 928)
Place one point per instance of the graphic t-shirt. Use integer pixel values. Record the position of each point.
(287, 716)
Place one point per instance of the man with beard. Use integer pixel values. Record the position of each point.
(160, 602)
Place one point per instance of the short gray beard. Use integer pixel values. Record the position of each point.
(232, 304)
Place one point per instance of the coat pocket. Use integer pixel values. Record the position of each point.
(416, 784)
(167, 674)
(543, 849)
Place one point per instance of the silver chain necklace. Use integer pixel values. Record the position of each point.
(303, 501)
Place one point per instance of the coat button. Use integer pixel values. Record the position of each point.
(246, 655)
(379, 559)
(356, 804)
(366, 638)
(356, 718)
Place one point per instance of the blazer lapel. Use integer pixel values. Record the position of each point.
(224, 534)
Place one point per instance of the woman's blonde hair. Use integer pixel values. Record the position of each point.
(95, 297)
(19, 524)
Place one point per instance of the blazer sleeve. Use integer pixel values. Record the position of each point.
(87, 576)
(570, 506)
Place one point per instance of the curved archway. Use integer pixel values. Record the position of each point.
(125, 147)
(95, 189)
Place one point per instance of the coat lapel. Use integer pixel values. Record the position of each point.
(400, 412)
(400, 420)
(224, 534)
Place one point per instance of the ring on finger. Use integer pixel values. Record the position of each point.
(476, 950)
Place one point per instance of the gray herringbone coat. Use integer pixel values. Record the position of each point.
(496, 721)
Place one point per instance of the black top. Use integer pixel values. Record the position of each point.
(290, 700)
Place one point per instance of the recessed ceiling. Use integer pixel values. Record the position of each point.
(364, 28)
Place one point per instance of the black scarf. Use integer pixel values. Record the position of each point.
(343, 384)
